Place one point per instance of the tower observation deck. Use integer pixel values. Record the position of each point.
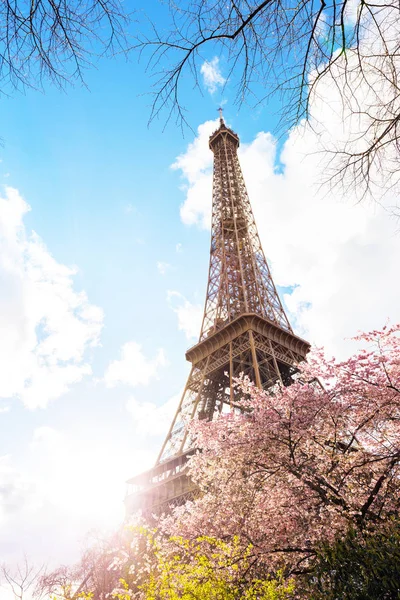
(244, 330)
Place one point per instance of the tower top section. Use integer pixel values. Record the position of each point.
(223, 132)
(240, 281)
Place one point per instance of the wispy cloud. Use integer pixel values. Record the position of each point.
(212, 76)
(15, 490)
(129, 208)
(189, 315)
(196, 168)
(163, 267)
(150, 419)
(134, 368)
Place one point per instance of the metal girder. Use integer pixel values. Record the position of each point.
(244, 330)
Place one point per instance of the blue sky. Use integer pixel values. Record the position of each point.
(107, 205)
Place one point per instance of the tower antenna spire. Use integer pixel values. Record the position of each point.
(221, 118)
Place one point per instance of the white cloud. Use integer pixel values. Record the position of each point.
(46, 326)
(163, 267)
(89, 470)
(189, 315)
(16, 493)
(133, 368)
(212, 75)
(196, 167)
(178, 248)
(47, 436)
(341, 257)
(65, 487)
(150, 419)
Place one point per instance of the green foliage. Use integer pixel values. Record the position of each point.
(360, 566)
(271, 589)
(205, 568)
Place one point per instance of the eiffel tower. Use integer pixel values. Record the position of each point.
(244, 330)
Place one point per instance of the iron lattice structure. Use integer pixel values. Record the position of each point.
(244, 330)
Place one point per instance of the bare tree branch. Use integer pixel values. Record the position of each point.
(56, 39)
(293, 48)
(23, 581)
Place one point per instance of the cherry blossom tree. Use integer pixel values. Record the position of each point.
(284, 485)
(302, 465)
